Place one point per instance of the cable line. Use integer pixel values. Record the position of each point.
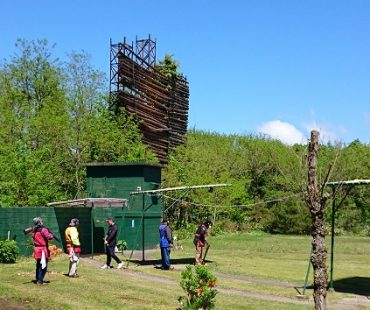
(232, 206)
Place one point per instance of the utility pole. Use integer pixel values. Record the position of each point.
(316, 204)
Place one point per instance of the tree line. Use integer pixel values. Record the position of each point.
(268, 183)
(55, 118)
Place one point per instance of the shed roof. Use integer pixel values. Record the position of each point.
(91, 202)
(133, 163)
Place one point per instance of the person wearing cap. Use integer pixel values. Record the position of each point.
(41, 236)
(165, 243)
(200, 242)
(110, 242)
(73, 246)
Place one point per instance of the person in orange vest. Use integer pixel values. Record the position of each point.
(200, 242)
(73, 247)
(41, 236)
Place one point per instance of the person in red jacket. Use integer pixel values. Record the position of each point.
(200, 242)
(41, 236)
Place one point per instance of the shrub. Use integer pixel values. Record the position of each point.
(186, 232)
(198, 287)
(8, 251)
(288, 218)
(122, 245)
(223, 226)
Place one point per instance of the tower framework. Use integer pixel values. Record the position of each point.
(158, 102)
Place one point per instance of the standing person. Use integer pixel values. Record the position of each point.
(165, 242)
(110, 242)
(200, 242)
(41, 236)
(73, 247)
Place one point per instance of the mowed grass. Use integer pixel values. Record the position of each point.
(281, 262)
(283, 258)
(94, 289)
(266, 265)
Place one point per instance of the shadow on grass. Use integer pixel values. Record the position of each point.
(353, 285)
(174, 261)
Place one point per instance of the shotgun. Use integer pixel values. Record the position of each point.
(28, 230)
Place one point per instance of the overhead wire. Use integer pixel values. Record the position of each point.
(232, 206)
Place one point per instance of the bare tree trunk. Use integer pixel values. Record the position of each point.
(317, 206)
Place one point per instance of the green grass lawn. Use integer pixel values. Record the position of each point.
(260, 265)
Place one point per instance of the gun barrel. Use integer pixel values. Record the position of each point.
(27, 230)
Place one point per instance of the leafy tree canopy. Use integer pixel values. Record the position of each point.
(54, 118)
(268, 182)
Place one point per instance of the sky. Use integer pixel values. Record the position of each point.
(280, 68)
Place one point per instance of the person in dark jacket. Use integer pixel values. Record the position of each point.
(41, 236)
(110, 242)
(165, 243)
(200, 242)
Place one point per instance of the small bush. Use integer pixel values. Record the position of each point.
(198, 284)
(122, 245)
(8, 251)
(187, 232)
(216, 230)
(223, 226)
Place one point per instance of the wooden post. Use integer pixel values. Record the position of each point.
(317, 206)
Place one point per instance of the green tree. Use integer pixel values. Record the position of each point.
(34, 122)
(199, 286)
(97, 135)
(169, 67)
(53, 120)
(259, 170)
(84, 92)
(268, 182)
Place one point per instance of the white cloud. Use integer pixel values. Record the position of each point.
(328, 132)
(282, 131)
(289, 134)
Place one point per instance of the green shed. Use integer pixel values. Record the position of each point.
(109, 186)
(138, 223)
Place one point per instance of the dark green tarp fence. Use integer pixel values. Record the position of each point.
(137, 221)
(92, 226)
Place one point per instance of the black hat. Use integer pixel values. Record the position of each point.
(208, 224)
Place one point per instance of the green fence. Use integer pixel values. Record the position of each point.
(14, 220)
(138, 223)
(132, 226)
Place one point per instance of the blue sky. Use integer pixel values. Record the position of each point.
(278, 67)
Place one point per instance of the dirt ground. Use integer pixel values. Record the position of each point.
(10, 305)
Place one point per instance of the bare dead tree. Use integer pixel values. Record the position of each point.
(316, 200)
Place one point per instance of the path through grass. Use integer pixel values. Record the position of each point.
(254, 272)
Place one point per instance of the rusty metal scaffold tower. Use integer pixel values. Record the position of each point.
(160, 103)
